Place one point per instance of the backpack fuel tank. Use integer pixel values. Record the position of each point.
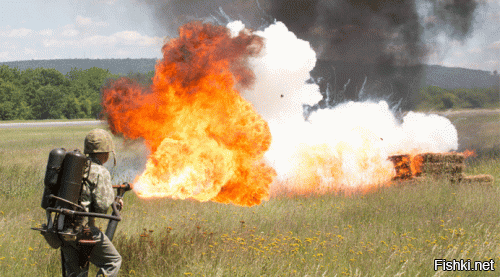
(52, 176)
(71, 178)
(63, 177)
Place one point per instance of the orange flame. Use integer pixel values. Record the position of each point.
(207, 142)
(407, 166)
(347, 167)
(469, 153)
(416, 164)
(402, 166)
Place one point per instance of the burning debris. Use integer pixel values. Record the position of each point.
(449, 166)
(403, 167)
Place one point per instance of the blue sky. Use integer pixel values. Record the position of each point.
(57, 29)
(53, 29)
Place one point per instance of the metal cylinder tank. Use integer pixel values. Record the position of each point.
(52, 176)
(71, 179)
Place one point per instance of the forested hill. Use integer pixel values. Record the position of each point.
(115, 66)
(453, 78)
(433, 75)
(72, 88)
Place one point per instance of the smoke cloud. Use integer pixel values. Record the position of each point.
(342, 148)
(380, 40)
(455, 17)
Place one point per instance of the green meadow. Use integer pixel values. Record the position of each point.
(397, 230)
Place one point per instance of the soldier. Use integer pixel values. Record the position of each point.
(97, 196)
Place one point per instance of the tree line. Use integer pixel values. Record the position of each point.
(45, 93)
(436, 98)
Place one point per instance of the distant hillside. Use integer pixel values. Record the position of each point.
(432, 75)
(115, 66)
(451, 78)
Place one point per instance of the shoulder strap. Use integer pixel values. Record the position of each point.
(86, 174)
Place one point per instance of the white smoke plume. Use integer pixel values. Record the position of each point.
(345, 147)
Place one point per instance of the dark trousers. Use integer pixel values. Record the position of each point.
(103, 255)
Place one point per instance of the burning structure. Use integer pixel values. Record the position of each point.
(447, 166)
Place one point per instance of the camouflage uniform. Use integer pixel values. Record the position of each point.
(97, 196)
(97, 193)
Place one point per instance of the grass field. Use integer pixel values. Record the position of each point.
(45, 120)
(479, 130)
(394, 231)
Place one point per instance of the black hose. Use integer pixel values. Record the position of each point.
(71, 212)
(112, 224)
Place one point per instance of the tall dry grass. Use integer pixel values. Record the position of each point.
(396, 230)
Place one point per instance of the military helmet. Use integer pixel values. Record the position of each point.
(98, 141)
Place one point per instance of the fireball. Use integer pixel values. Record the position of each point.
(206, 141)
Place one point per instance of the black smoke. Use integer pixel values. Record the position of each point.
(380, 41)
(455, 17)
(377, 45)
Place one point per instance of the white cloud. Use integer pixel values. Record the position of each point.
(70, 33)
(21, 32)
(50, 42)
(125, 38)
(57, 43)
(83, 21)
(99, 40)
(128, 37)
(29, 51)
(86, 22)
(8, 45)
(123, 53)
(492, 62)
(109, 2)
(46, 32)
(134, 38)
(4, 55)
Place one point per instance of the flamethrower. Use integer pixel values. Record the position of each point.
(64, 179)
(113, 223)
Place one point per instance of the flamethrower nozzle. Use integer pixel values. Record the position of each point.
(124, 187)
